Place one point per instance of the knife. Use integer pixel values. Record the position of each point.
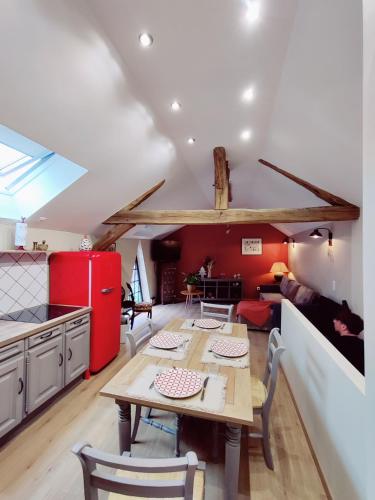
(204, 387)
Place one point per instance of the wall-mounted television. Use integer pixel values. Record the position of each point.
(165, 250)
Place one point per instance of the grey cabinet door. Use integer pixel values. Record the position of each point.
(11, 392)
(45, 372)
(77, 352)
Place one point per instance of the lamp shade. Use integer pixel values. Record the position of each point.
(279, 267)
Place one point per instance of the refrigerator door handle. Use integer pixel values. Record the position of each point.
(106, 291)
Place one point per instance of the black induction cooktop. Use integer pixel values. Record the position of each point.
(39, 314)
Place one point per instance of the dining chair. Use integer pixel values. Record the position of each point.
(140, 477)
(137, 307)
(137, 339)
(262, 392)
(219, 311)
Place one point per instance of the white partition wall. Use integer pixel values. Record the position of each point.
(330, 395)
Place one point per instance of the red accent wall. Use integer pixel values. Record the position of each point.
(199, 241)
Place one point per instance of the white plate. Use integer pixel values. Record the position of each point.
(166, 340)
(178, 383)
(230, 349)
(208, 323)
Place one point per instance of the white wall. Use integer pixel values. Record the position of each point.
(79, 100)
(337, 275)
(316, 133)
(369, 233)
(128, 250)
(330, 395)
(56, 240)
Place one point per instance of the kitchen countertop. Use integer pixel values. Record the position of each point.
(12, 331)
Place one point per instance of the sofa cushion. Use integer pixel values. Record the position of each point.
(305, 295)
(274, 297)
(291, 290)
(284, 285)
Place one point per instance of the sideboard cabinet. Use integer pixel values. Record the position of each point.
(221, 289)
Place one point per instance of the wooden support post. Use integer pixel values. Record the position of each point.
(221, 179)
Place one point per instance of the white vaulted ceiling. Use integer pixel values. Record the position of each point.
(75, 79)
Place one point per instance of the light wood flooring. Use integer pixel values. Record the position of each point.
(36, 463)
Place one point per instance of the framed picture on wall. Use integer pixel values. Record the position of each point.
(251, 246)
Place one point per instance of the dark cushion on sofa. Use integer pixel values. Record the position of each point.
(291, 290)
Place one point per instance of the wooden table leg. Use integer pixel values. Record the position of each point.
(124, 425)
(232, 460)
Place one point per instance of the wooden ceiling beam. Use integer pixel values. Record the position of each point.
(111, 236)
(238, 216)
(320, 193)
(221, 179)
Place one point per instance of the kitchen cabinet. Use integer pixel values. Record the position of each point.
(12, 367)
(77, 352)
(44, 372)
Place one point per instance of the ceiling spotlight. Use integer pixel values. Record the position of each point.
(252, 10)
(248, 94)
(245, 135)
(145, 39)
(175, 106)
(191, 140)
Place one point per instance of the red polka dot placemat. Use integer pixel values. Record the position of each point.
(166, 340)
(208, 323)
(178, 383)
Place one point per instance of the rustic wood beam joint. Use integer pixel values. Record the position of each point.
(111, 236)
(328, 197)
(239, 216)
(221, 179)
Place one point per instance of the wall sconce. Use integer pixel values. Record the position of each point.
(317, 234)
(288, 239)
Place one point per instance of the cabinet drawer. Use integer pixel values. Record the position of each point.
(12, 350)
(43, 336)
(69, 325)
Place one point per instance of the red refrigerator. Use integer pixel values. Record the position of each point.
(91, 279)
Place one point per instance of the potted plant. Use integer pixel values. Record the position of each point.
(191, 281)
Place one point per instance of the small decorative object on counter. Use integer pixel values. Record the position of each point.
(43, 247)
(209, 264)
(35, 245)
(21, 233)
(86, 244)
(202, 272)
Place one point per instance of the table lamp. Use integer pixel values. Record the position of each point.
(278, 268)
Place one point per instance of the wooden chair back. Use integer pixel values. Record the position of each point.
(94, 479)
(274, 352)
(219, 311)
(139, 336)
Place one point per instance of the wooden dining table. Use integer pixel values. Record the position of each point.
(237, 412)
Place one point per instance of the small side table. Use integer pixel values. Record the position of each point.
(190, 295)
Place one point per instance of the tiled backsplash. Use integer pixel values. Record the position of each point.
(23, 280)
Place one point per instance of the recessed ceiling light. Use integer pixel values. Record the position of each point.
(245, 135)
(191, 140)
(252, 10)
(248, 94)
(145, 39)
(175, 106)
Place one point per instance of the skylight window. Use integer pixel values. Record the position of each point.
(30, 175)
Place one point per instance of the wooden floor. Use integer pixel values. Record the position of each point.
(36, 464)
